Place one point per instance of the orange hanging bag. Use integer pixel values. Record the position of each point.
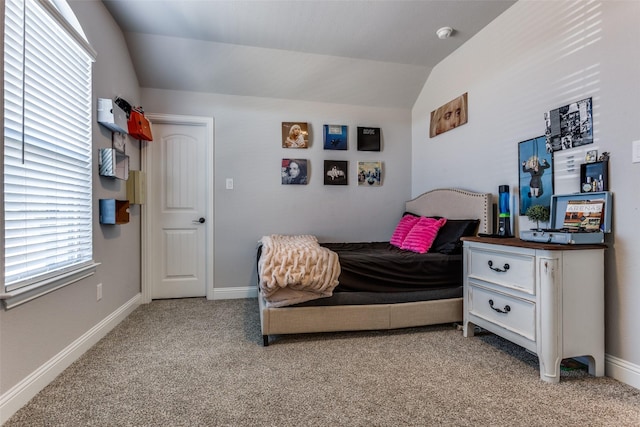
(139, 126)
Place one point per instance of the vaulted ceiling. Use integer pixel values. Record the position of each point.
(376, 53)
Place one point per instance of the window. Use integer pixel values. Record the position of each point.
(47, 149)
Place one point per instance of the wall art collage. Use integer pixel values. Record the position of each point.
(566, 128)
(296, 171)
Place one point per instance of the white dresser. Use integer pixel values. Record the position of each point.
(547, 298)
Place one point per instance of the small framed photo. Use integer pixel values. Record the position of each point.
(368, 139)
(295, 135)
(370, 174)
(336, 172)
(335, 137)
(592, 156)
(294, 171)
(594, 177)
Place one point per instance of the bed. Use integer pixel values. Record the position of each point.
(391, 300)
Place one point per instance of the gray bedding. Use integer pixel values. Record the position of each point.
(379, 273)
(381, 267)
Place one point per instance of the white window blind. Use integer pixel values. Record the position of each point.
(47, 148)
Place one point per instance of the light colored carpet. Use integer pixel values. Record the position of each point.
(194, 362)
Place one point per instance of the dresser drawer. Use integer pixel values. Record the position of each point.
(514, 314)
(512, 270)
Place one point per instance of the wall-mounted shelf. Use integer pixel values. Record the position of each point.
(112, 116)
(113, 163)
(136, 187)
(114, 211)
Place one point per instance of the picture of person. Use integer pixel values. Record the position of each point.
(535, 171)
(535, 168)
(294, 135)
(449, 116)
(294, 171)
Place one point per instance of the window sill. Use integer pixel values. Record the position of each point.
(27, 293)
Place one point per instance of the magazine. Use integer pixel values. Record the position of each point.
(584, 215)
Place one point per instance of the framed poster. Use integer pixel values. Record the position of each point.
(295, 135)
(370, 174)
(336, 172)
(335, 137)
(569, 126)
(536, 173)
(449, 116)
(294, 171)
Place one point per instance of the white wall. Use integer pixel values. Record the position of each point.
(248, 149)
(42, 330)
(535, 57)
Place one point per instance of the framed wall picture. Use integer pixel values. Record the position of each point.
(294, 171)
(535, 173)
(295, 135)
(370, 174)
(335, 137)
(336, 172)
(569, 126)
(368, 139)
(594, 176)
(449, 116)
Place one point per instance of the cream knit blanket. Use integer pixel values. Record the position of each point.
(294, 269)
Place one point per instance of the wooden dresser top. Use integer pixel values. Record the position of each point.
(514, 241)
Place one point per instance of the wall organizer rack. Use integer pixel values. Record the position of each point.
(114, 212)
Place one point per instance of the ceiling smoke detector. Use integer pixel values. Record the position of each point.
(444, 32)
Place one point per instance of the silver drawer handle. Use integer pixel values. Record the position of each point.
(505, 310)
(504, 268)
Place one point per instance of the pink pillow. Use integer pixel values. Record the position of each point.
(422, 235)
(403, 228)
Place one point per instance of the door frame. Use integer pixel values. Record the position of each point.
(147, 217)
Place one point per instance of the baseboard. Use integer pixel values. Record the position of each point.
(622, 371)
(235, 293)
(25, 390)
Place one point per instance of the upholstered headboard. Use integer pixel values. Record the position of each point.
(454, 203)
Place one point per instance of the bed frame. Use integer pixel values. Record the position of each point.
(448, 203)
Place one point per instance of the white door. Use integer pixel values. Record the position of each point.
(180, 209)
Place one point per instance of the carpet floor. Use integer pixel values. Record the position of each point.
(194, 362)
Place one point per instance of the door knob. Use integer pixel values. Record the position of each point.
(199, 221)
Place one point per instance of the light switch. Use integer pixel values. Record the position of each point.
(635, 156)
(229, 183)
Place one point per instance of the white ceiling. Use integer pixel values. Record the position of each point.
(376, 53)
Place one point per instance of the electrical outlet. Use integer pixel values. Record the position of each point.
(99, 290)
